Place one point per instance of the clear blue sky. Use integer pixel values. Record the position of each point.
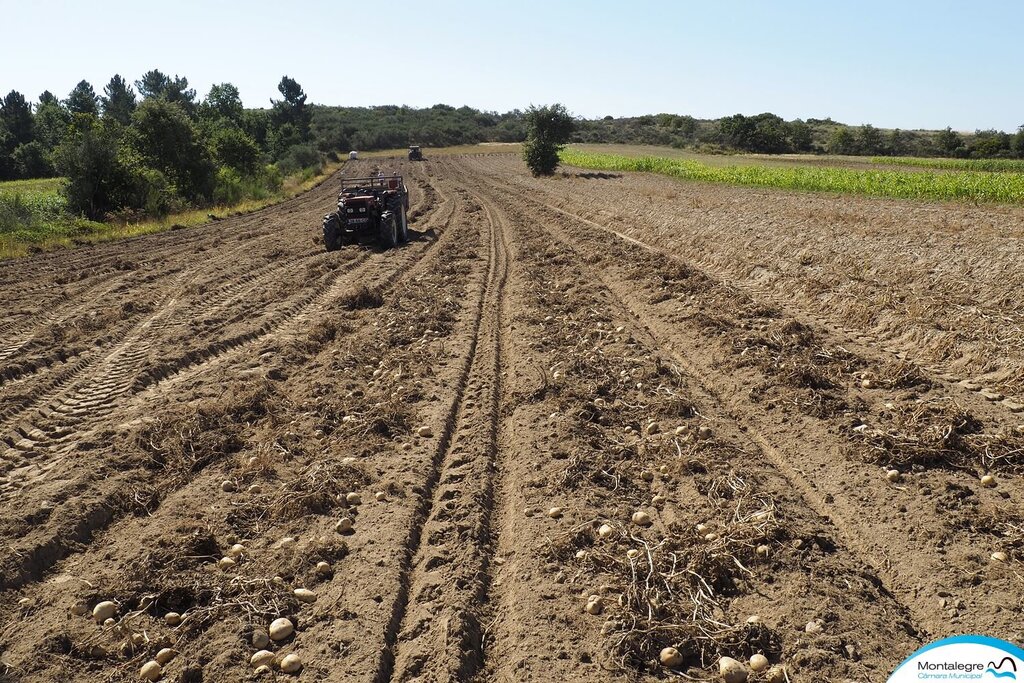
(892, 64)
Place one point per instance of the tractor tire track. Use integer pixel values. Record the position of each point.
(437, 619)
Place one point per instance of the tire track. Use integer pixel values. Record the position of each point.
(828, 505)
(437, 619)
(49, 545)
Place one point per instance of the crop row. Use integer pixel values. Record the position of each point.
(991, 165)
(965, 186)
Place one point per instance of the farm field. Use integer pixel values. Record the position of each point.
(574, 422)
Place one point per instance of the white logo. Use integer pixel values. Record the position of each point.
(963, 658)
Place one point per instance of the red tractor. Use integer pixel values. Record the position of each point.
(375, 206)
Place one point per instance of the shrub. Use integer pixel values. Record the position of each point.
(547, 131)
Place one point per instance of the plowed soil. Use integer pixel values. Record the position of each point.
(573, 422)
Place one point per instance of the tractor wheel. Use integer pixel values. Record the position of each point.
(388, 230)
(403, 224)
(332, 232)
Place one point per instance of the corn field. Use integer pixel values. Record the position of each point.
(963, 186)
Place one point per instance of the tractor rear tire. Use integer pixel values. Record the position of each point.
(332, 232)
(388, 230)
(403, 224)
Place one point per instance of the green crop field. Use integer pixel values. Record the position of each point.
(962, 186)
(991, 165)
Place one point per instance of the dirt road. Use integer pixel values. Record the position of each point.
(574, 422)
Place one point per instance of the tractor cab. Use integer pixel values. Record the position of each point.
(415, 153)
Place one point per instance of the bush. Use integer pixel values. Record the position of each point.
(298, 158)
(547, 131)
(89, 156)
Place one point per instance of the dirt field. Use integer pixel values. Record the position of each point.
(573, 422)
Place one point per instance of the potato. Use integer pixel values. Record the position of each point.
(291, 664)
(227, 486)
(893, 476)
(425, 432)
(988, 481)
(670, 657)
(595, 604)
(343, 526)
(758, 663)
(641, 518)
(555, 512)
(262, 658)
(103, 611)
(172, 618)
(151, 671)
(165, 655)
(304, 595)
(354, 499)
(260, 639)
(606, 530)
(281, 629)
(732, 671)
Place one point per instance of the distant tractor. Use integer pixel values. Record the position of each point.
(353, 155)
(374, 207)
(415, 153)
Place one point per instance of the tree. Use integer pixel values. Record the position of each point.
(88, 156)
(1018, 142)
(118, 101)
(843, 141)
(51, 121)
(800, 137)
(869, 140)
(950, 143)
(234, 149)
(15, 131)
(83, 99)
(547, 130)
(16, 117)
(223, 102)
(991, 143)
(166, 140)
(155, 84)
(765, 133)
(292, 109)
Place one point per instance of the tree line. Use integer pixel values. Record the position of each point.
(155, 148)
(152, 147)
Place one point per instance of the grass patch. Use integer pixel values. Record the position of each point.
(989, 165)
(34, 217)
(962, 186)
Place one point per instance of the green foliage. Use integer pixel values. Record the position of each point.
(765, 133)
(869, 140)
(964, 186)
(223, 103)
(51, 122)
(83, 99)
(118, 101)
(16, 118)
(950, 143)
(292, 109)
(300, 157)
(547, 130)
(166, 140)
(233, 148)
(843, 141)
(89, 156)
(155, 84)
(986, 165)
(31, 160)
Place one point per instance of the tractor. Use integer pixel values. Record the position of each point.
(375, 206)
(415, 153)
